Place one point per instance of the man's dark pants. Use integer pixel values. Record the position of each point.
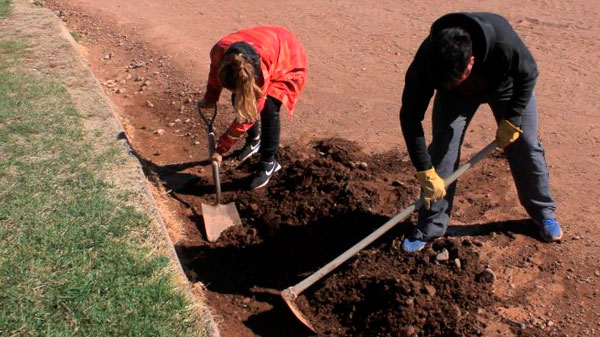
(451, 117)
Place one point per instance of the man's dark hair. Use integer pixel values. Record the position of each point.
(450, 52)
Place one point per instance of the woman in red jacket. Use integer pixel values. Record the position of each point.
(264, 67)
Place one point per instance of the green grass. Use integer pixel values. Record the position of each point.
(4, 8)
(75, 36)
(70, 256)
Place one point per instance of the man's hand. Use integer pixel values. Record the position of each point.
(216, 157)
(507, 133)
(202, 104)
(433, 186)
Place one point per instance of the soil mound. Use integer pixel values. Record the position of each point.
(384, 292)
(326, 198)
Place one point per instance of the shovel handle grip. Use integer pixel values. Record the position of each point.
(294, 291)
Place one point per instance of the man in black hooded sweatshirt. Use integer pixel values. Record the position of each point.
(470, 59)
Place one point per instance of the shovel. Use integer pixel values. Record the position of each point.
(290, 294)
(217, 217)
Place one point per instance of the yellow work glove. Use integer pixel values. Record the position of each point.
(433, 186)
(507, 133)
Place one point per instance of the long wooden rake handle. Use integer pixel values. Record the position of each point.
(294, 291)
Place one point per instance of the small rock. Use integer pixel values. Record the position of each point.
(128, 77)
(410, 301)
(171, 124)
(487, 276)
(159, 132)
(146, 82)
(149, 104)
(121, 90)
(430, 290)
(139, 78)
(363, 166)
(254, 207)
(196, 142)
(177, 120)
(397, 183)
(187, 120)
(443, 256)
(408, 330)
(550, 324)
(577, 237)
(189, 100)
(455, 311)
(143, 88)
(457, 263)
(519, 325)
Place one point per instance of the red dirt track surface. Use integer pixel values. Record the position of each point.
(346, 171)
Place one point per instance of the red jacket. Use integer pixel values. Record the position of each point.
(283, 65)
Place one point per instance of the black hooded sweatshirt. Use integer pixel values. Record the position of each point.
(501, 60)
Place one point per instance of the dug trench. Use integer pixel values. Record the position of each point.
(328, 196)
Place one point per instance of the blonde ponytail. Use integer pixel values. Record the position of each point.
(237, 74)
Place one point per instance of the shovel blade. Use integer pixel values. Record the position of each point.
(290, 299)
(218, 218)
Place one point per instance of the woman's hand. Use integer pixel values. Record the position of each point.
(216, 157)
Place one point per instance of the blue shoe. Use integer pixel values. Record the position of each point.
(550, 230)
(412, 246)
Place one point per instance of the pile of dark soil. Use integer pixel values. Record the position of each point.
(384, 292)
(325, 199)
